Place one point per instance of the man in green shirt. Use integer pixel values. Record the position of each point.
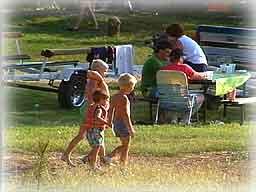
(152, 65)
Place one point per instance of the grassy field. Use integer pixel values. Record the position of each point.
(51, 31)
(164, 140)
(35, 116)
(163, 156)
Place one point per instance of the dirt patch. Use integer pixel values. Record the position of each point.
(229, 162)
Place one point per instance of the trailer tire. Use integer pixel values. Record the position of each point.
(71, 93)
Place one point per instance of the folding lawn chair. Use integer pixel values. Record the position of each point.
(173, 93)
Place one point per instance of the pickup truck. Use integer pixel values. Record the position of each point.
(223, 44)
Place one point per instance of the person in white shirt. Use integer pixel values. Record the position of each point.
(193, 53)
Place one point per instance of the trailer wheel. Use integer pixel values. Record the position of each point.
(71, 93)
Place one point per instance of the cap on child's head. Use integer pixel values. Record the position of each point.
(126, 79)
(98, 63)
(98, 95)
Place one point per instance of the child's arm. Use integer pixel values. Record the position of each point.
(91, 87)
(99, 119)
(104, 87)
(111, 112)
(94, 75)
(127, 119)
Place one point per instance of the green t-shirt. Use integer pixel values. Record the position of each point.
(150, 68)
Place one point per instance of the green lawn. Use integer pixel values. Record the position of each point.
(34, 114)
(164, 140)
(51, 31)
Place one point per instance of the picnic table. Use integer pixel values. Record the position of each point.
(221, 84)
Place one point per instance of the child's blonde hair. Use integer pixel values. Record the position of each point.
(98, 63)
(98, 95)
(126, 79)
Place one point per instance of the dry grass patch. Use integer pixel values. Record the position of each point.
(198, 171)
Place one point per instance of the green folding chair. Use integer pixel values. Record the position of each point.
(173, 94)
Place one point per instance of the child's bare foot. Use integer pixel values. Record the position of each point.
(67, 159)
(85, 159)
(96, 169)
(108, 161)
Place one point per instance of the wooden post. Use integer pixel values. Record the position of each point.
(225, 110)
(242, 114)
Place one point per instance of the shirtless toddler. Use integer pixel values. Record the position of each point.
(119, 115)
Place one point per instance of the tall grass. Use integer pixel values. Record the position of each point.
(41, 165)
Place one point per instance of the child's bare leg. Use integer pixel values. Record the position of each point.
(125, 149)
(116, 151)
(232, 95)
(71, 146)
(93, 156)
(122, 149)
(102, 153)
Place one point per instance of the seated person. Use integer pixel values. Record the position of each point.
(177, 65)
(193, 54)
(152, 65)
